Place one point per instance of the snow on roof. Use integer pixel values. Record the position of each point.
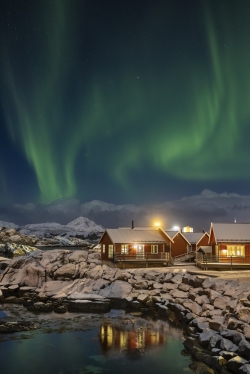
(205, 249)
(134, 236)
(231, 232)
(193, 237)
(171, 233)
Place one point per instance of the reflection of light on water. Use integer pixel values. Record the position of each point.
(123, 340)
(140, 338)
(155, 338)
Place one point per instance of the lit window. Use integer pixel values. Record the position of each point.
(103, 248)
(111, 250)
(124, 249)
(154, 249)
(236, 250)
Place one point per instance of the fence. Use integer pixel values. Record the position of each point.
(208, 261)
(142, 257)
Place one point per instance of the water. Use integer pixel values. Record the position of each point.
(89, 344)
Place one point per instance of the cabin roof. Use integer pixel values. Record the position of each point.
(135, 236)
(231, 232)
(193, 237)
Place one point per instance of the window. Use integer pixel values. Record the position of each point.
(103, 248)
(154, 249)
(124, 249)
(236, 250)
(111, 250)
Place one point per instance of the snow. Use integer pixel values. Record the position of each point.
(81, 226)
(8, 225)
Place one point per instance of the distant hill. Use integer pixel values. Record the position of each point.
(81, 227)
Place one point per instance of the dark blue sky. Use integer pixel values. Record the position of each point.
(123, 101)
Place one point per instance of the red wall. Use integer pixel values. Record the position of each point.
(105, 240)
(179, 247)
(203, 241)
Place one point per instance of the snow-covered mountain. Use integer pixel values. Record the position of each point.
(85, 225)
(8, 225)
(81, 226)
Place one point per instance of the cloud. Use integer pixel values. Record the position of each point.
(196, 211)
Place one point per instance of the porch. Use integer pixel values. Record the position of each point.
(142, 260)
(207, 262)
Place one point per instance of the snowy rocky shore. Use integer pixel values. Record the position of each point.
(9, 236)
(214, 313)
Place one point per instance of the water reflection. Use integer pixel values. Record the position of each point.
(131, 338)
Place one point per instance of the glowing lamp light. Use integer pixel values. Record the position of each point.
(157, 224)
(176, 228)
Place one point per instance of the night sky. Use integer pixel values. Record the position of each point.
(126, 102)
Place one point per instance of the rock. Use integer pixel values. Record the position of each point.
(228, 355)
(235, 363)
(215, 351)
(177, 279)
(215, 342)
(198, 281)
(167, 277)
(169, 286)
(183, 287)
(216, 323)
(213, 295)
(244, 369)
(201, 368)
(60, 309)
(117, 290)
(13, 288)
(17, 326)
(221, 302)
(206, 307)
(179, 294)
(141, 285)
(244, 349)
(234, 324)
(190, 343)
(244, 315)
(205, 336)
(203, 299)
(65, 271)
(246, 330)
(227, 345)
(152, 275)
(196, 309)
(40, 307)
(157, 286)
(218, 362)
(208, 283)
(143, 298)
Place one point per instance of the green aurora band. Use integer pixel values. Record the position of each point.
(187, 119)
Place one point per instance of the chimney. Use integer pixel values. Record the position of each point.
(203, 231)
(132, 226)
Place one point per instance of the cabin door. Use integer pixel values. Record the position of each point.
(140, 251)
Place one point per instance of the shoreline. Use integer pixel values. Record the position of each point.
(213, 312)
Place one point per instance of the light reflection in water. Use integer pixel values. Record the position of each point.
(113, 337)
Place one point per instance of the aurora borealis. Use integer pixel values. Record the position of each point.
(123, 101)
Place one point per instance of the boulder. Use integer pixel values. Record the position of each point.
(243, 314)
(216, 323)
(235, 363)
(117, 290)
(66, 271)
(179, 294)
(205, 337)
(244, 369)
(177, 279)
(244, 349)
(221, 302)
